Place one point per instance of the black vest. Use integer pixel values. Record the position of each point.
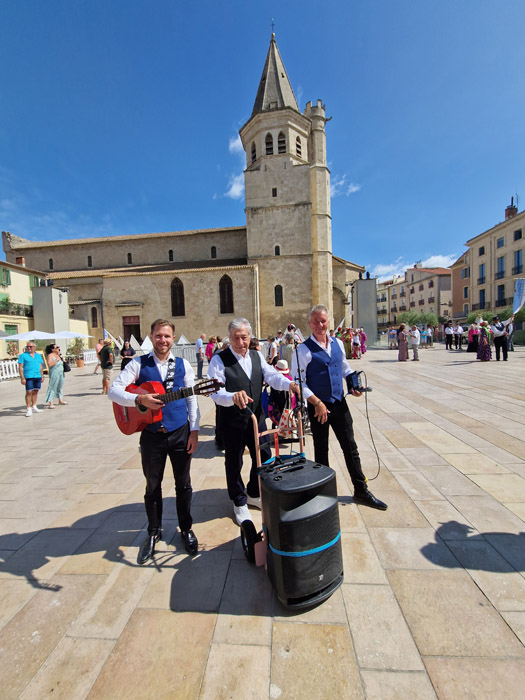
(237, 380)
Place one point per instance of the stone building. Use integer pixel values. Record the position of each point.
(271, 270)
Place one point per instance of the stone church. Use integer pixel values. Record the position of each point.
(270, 271)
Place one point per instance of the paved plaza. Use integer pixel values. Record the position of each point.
(433, 600)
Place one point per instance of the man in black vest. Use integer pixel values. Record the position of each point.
(242, 371)
(175, 437)
(324, 366)
(500, 330)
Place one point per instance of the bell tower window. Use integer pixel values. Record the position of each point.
(254, 153)
(90, 261)
(281, 143)
(130, 259)
(94, 317)
(298, 147)
(50, 263)
(269, 144)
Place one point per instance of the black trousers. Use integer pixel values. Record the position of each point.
(340, 420)
(235, 439)
(500, 343)
(155, 448)
(448, 341)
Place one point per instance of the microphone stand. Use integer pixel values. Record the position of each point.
(302, 405)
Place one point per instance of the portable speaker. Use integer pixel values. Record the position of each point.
(301, 522)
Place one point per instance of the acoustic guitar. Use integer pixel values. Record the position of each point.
(132, 419)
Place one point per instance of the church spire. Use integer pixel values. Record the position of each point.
(275, 91)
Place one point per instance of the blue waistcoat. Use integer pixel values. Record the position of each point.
(175, 413)
(324, 374)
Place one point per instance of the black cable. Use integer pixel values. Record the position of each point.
(370, 430)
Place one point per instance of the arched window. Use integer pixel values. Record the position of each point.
(269, 144)
(213, 252)
(254, 152)
(298, 147)
(90, 261)
(277, 249)
(50, 263)
(281, 143)
(226, 295)
(170, 255)
(278, 292)
(130, 259)
(177, 298)
(94, 317)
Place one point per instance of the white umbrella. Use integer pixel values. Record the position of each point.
(31, 335)
(67, 335)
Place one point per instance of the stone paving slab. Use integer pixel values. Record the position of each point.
(433, 601)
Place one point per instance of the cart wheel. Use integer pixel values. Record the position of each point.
(249, 537)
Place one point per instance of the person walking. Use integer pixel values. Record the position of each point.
(31, 367)
(98, 348)
(500, 331)
(175, 436)
(106, 363)
(199, 353)
(55, 364)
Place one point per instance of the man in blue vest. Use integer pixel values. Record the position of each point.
(175, 436)
(323, 367)
(242, 371)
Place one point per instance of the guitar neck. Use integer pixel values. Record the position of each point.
(182, 393)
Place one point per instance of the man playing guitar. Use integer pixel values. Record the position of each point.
(175, 436)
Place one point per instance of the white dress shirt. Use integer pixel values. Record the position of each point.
(129, 375)
(498, 332)
(271, 376)
(305, 357)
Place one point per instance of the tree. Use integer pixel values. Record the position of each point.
(411, 318)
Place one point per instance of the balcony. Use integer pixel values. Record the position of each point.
(381, 311)
(11, 309)
(499, 275)
(430, 285)
(393, 295)
(517, 270)
(402, 294)
(412, 304)
(421, 302)
(393, 309)
(431, 300)
(403, 307)
(504, 302)
(481, 280)
(480, 307)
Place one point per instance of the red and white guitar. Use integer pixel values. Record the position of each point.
(131, 419)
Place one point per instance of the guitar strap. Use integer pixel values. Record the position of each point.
(170, 376)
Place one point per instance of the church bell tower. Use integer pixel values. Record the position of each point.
(287, 190)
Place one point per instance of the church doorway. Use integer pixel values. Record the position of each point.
(131, 327)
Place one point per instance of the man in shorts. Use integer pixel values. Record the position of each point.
(106, 363)
(31, 367)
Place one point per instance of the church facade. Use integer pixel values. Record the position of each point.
(271, 271)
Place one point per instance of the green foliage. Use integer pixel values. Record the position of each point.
(485, 315)
(410, 318)
(504, 314)
(76, 347)
(518, 338)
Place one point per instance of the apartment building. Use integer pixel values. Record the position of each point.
(494, 260)
(421, 289)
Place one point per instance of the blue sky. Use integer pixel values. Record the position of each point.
(122, 117)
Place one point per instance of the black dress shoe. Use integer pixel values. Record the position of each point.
(148, 549)
(368, 499)
(191, 544)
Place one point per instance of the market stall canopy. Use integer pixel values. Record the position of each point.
(66, 335)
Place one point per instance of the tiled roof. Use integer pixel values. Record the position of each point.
(143, 270)
(135, 236)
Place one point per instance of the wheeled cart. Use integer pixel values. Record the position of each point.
(300, 540)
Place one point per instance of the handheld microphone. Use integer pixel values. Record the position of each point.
(354, 381)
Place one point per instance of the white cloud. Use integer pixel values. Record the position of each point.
(235, 187)
(398, 267)
(235, 145)
(339, 186)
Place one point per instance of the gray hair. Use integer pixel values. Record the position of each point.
(237, 324)
(316, 309)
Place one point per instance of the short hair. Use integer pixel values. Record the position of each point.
(162, 322)
(107, 341)
(237, 324)
(316, 309)
(49, 348)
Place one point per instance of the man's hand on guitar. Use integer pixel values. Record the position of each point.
(151, 401)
